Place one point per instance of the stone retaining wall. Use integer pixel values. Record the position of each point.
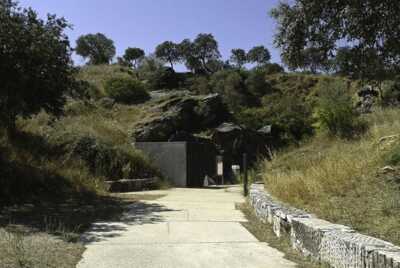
(334, 244)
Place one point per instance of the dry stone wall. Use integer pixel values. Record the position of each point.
(334, 244)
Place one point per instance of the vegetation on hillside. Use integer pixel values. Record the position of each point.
(66, 130)
(353, 182)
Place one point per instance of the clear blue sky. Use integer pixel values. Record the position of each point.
(147, 23)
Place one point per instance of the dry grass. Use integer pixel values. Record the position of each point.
(97, 75)
(47, 235)
(342, 181)
(37, 250)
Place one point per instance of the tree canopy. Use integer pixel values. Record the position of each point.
(239, 57)
(35, 63)
(169, 52)
(96, 47)
(259, 55)
(370, 29)
(133, 56)
(202, 54)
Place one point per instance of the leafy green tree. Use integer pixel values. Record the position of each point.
(169, 52)
(235, 92)
(273, 68)
(96, 47)
(202, 54)
(314, 61)
(369, 27)
(257, 83)
(35, 63)
(345, 62)
(239, 57)
(126, 90)
(230, 84)
(163, 78)
(336, 112)
(259, 55)
(133, 56)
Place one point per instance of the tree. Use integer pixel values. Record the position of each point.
(314, 60)
(187, 50)
(96, 47)
(259, 55)
(369, 27)
(200, 55)
(257, 83)
(133, 57)
(35, 63)
(168, 52)
(206, 49)
(239, 57)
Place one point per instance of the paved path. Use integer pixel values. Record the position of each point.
(187, 228)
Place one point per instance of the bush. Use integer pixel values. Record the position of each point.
(126, 90)
(391, 93)
(230, 84)
(291, 120)
(200, 85)
(336, 112)
(85, 90)
(257, 84)
(163, 78)
(273, 68)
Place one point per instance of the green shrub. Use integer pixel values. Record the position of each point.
(391, 92)
(336, 112)
(291, 120)
(111, 162)
(126, 90)
(254, 118)
(273, 68)
(85, 90)
(163, 78)
(257, 84)
(200, 85)
(232, 87)
(393, 157)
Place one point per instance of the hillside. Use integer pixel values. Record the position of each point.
(352, 182)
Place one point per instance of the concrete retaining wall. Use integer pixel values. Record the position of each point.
(334, 244)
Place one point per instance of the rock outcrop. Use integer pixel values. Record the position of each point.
(181, 114)
(367, 97)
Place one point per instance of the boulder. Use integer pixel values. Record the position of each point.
(211, 111)
(181, 114)
(367, 99)
(106, 103)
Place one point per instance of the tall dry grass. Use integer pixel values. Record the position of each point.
(344, 181)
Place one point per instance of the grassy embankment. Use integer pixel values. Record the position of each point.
(352, 182)
(52, 175)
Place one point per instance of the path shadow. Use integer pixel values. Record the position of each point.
(138, 213)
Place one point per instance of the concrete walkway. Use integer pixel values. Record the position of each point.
(187, 228)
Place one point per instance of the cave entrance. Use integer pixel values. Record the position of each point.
(184, 164)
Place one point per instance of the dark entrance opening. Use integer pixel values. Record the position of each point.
(184, 164)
